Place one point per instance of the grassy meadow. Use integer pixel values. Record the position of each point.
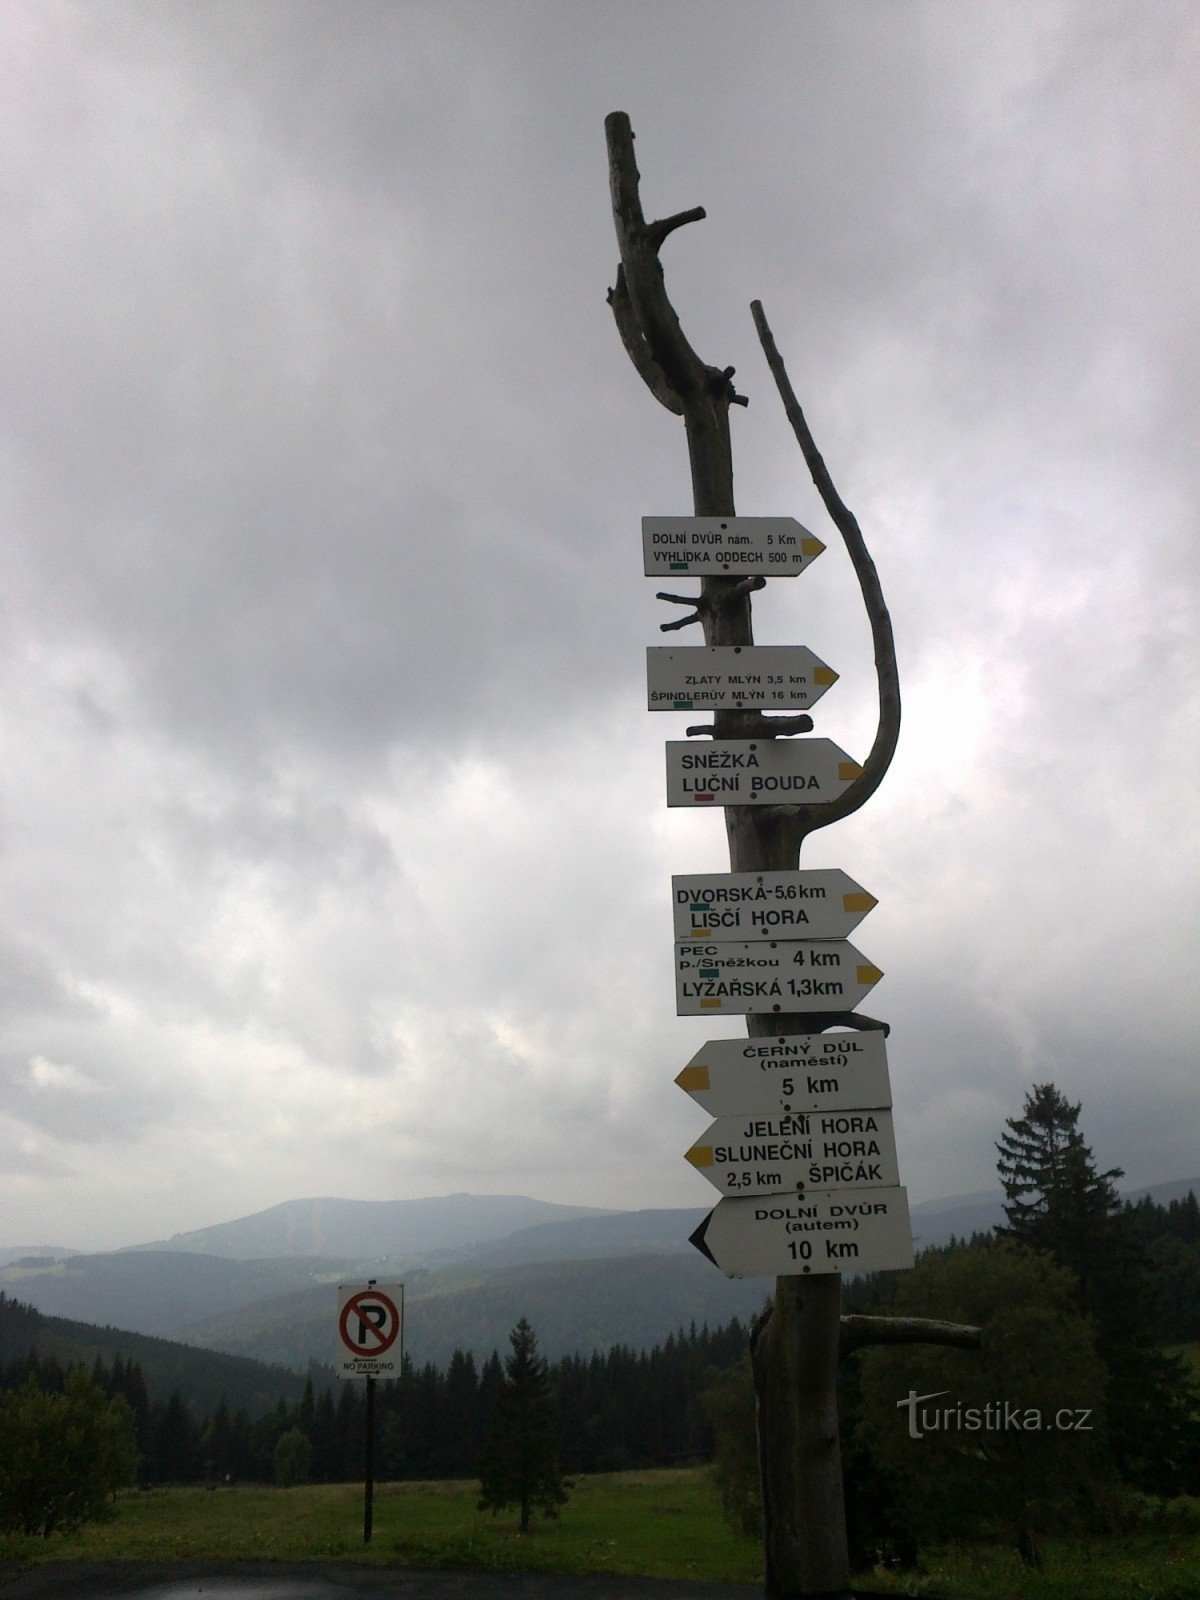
(658, 1524)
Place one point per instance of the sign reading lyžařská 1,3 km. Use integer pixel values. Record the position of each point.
(777, 547)
(735, 677)
(793, 1072)
(370, 1321)
(766, 975)
(825, 903)
(865, 1230)
(756, 772)
(797, 1151)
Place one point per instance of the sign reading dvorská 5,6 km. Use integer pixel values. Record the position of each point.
(825, 904)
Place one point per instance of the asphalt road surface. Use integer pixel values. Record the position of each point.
(194, 1580)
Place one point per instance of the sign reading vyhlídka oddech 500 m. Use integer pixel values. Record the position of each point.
(797, 1151)
(822, 904)
(779, 1236)
(756, 772)
(735, 677)
(793, 1072)
(778, 547)
(771, 975)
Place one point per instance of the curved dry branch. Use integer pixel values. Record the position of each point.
(888, 729)
(857, 1332)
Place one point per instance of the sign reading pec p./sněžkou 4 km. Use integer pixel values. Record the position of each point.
(771, 975)
(776, 547)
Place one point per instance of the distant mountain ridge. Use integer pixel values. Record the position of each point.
(361, 1229)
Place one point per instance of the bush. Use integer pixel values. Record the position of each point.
(62, 1455)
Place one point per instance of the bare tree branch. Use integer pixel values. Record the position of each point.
(888, 728)
(858, 1332)
(638, 350)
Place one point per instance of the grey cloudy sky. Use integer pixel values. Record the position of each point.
(334, 856)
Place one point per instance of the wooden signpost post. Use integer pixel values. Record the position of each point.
(773, 791)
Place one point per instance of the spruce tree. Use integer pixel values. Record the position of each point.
(520, 1465)
(1057, 1201)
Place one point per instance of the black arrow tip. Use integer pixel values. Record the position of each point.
(698, 1239)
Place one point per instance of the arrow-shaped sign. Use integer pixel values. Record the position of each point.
(825, 904)
(777, 547)
(771, 975)
(735, 677)
(757, 1236)
(798, 1151)
(756, 772)
(800, 1072)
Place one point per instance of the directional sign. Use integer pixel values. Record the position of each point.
(735, 677)
(825, 904)
(771, 975)
(832, 1231)
(756, 772)
(801, 1072)
(369, 1321)
(798, 1151)
(778, 547)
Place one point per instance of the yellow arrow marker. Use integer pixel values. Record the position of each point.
(867, 973)
(811, 546)
(848, 769)
(824, 675)
(700, 1155)
(710, 1005)
(858, 902)
(693, 1078)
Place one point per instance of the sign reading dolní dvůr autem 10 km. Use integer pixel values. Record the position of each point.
(777, 547)
(863, 1230)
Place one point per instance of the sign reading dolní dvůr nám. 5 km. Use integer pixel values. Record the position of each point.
(777, 547)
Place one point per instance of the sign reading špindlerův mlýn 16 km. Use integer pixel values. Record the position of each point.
(823, 904)
(789, 1073)
(797, 1151)
(756, 772)
(777, 547)
(370, 1322)
(865, 1230)
(735, 677)
(771, 975)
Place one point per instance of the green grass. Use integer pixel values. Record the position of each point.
(656, 1524)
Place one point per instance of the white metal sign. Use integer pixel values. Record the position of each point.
(370, 1321)
(839, 1231)
(823, 904)
(735, 677)
(800, 1072)
(798, 1151)
(777, 547)
(771, 975)
(756, 772)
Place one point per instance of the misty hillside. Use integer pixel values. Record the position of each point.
(574, 1306)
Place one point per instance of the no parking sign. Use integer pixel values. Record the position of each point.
(370, 1321)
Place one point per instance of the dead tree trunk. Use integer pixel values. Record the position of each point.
(795, 1344)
